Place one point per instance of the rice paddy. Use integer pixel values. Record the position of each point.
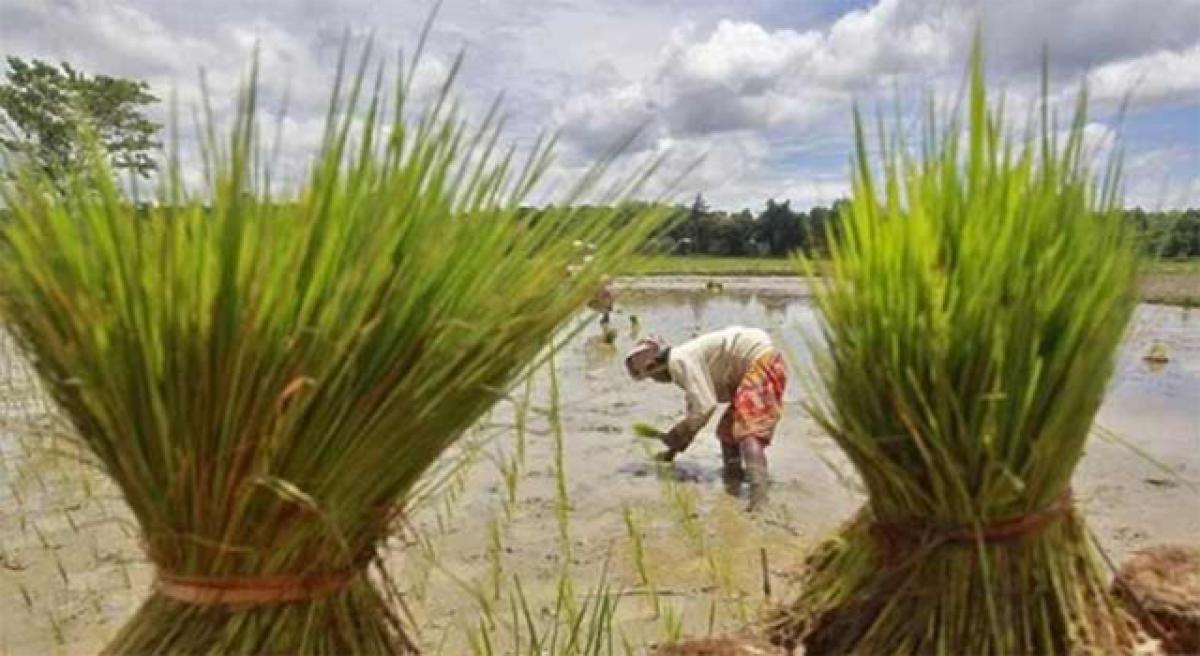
(660, 582)
(420, 445)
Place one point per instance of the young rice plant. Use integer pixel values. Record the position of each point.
(267, 376)
(978, 292)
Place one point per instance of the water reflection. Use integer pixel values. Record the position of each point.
(679, 315)
(599, 350)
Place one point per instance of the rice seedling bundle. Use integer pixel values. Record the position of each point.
(979, 288)
(268, 377)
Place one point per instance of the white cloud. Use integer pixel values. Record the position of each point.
(1164, 177)
(1083, 34)
(596, 122)
(785, 85)
(764, 87)
(1161, 76)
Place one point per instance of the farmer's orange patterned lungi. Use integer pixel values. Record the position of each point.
(757, 403)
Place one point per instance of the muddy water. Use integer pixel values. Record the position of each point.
(71, 570)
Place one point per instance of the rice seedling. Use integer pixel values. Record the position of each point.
(720, 569)
(441, 644)
(60, 638)
(1156, 354)
(267, 376)
(25, 596)
(487, 608)
(978, 291)
(712, 616)
(569, 629)
(638, 553)
(419, 568)
(125, 576)
(562, 504)
(495, 567)
(682, 499)
(41, 536)
(510, 472)
(642, 429)
(62, 572)
(521, 419)
(446, 482)
(480, 641)
(672, 625)
(70, 520)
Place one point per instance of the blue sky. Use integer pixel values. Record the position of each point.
(761, 89)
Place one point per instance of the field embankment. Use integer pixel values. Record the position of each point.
(1164, 282)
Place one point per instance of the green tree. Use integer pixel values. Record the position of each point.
(781, 228)
(695, 222)
(44, 108)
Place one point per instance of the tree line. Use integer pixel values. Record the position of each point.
(777, 230)
(43, 106)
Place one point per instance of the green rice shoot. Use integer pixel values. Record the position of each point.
(643, 429)
(976, 294)
(269, 376)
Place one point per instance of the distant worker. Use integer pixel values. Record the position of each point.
(602, 301)
(739, 366)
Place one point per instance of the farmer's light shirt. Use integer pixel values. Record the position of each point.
(710, 367)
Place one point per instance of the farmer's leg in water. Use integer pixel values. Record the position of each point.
(756, 409)
(754, 456)
(732, 456)
(732, 472)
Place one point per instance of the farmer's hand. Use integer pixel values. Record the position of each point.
(676, 440)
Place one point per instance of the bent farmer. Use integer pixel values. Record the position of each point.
(739, 366)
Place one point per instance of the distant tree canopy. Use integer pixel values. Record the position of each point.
(778, 230)
(1171, 234)
(44, 108)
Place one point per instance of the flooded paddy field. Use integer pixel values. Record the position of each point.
(557, 492)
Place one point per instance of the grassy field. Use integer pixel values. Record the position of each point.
(1189, 266)
(665, 265)
(1169, 282)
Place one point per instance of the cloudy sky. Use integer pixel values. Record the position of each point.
(760, 88)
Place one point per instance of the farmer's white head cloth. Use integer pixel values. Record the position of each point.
(642, 358)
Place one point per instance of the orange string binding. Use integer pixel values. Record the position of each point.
(250, 591)
(1001, 531)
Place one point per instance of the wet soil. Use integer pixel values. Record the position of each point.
(70, 569)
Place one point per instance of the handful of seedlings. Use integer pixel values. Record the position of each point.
(642, 429)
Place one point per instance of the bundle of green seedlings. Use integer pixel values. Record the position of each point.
(268, 376)
(979, 287)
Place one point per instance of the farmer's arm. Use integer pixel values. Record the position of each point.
(701, 402)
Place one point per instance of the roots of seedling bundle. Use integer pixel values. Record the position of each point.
(722, 646)
(1041, 592)
(358, 619)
